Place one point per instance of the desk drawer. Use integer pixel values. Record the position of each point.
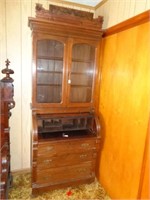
(64, 160)
(65, 147)
(66, 174)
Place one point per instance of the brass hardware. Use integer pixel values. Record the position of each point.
(85, 144)
(46, 178)
(81, 170)
(83, 156)
(49, 148)
(47, 161)
(4, 170)
(4, 160)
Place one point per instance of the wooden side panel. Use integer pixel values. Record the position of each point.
(125, 106)
(144, 192)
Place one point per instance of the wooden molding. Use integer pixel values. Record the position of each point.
(129, 23)
(61, 23)
(59, 10)
(70, 16)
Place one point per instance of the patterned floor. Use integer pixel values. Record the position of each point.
(21, 189)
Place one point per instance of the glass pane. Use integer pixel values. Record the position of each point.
(49, 71)
(82, 70)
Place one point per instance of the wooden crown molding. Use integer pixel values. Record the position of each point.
(68, 15)
(129, 23)
(67, 21)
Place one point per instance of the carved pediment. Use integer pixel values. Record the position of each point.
(68, 15)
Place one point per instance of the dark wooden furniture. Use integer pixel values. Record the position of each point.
(65, 85)
(6, 103)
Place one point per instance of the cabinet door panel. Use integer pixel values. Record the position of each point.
(49, 71)
(48, 94)
(49, 48)
(82, 71)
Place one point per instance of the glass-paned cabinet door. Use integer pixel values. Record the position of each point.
(49, 71)
(82, 72)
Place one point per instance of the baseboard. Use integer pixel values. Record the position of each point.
(21, 171)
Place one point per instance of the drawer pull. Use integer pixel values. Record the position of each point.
(46, 178)
(4, 160)
(4, 171)
(85, 144)
(47, 161)
(94, 155)
(83, 156)
(3, 184)
(49, 148)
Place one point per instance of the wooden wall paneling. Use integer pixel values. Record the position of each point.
(118, 11)
(147, 4)
(99, 10)
(132, 8)
(126, 13)
(140, 6)
(124, 104)
(33, 3)
(104, 11)
(129, 23)
(26, 54)
(13, 18)
(113, 12)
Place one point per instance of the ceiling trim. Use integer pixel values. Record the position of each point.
(100, 4)
(92, 8)
(73, 4)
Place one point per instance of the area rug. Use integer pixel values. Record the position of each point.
(21, 189)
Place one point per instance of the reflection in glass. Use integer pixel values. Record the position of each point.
(82, 71)
(49, 71)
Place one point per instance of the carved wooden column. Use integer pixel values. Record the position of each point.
(6, 103)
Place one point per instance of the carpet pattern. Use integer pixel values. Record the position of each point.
(21, 190)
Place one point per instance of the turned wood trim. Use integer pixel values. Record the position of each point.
(129, 23)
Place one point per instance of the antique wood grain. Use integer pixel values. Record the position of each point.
(124, 104)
